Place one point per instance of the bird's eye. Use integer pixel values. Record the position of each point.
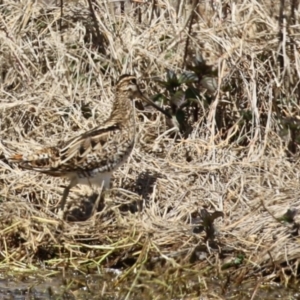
(133, 81)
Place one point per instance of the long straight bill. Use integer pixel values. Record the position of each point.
(155, 106)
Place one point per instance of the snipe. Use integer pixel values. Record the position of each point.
(91, 158)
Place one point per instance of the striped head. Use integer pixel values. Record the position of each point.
(127, 85)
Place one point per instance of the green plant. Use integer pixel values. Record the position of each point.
(182, 92)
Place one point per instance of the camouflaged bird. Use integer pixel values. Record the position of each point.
(92, 157)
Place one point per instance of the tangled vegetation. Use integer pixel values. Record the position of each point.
(212, 192)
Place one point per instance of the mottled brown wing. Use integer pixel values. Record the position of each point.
(99, 148)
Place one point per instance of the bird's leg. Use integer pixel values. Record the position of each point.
(100, 198)
(104, 184)
(63, 200)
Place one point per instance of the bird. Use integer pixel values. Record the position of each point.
(91, 157)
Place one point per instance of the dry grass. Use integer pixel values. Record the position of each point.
(56, 84)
